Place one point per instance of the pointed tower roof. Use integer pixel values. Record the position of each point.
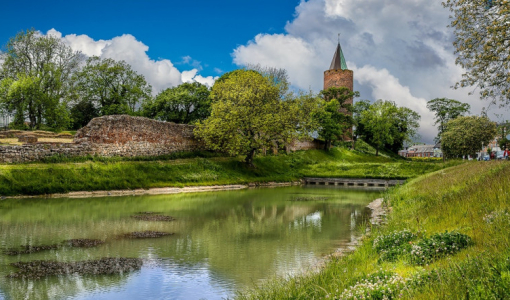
(338, 61)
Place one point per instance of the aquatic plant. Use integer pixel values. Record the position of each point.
(145, 234)
(107, 265)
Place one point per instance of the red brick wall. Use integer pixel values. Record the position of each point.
(339, 78)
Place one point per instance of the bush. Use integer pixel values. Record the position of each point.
(438, 245)
(379, 285)
(393, 245)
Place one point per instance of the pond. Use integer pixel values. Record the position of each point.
(220, 242)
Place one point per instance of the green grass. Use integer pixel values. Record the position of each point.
(61, 174)
(471, 200)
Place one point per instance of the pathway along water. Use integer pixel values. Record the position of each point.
(193, 246)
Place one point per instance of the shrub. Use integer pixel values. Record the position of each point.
(438, 245)
(393, 245)
(379, 285)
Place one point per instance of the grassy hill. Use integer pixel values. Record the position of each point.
(60, 175)
(446, 238)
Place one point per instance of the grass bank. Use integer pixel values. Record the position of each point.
(61, 175)
(447, 237)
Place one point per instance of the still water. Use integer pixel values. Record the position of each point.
(222, 241)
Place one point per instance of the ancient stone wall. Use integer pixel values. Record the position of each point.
(122, 135)
(38, 151)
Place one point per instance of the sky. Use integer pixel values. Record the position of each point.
(399, 50)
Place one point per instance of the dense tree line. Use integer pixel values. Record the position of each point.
(45, 84)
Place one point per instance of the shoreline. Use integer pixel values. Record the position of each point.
(158, 191)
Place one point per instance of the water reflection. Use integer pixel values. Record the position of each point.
(223, 241)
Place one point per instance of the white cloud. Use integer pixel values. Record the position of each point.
(191, 76)
(161, 74)
(399, 50)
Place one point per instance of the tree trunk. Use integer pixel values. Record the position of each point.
(377, 151)
(249, 158)
(327, 145)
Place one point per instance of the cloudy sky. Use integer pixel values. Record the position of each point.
(399, 50)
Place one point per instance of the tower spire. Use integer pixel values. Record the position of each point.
(338, 62)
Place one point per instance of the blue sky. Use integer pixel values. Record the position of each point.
(399, 50)
(207, 31)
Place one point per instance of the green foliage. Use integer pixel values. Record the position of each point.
(465, 135)
(82, 112)
(36, 79)
(334, 119)
(377, 286)
(186, 103)
(383, 123)
(110, 86)
(482, 34)
(445, 110)
(63, 174)
(438, 245)
(394, 245)
(248, 115)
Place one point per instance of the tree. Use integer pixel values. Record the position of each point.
(246, 115)
(36, 75)
(405, 128)
(482, 43)
(277, 76)
(335, 120)
(185, 103)
(384, 123)
(111, 86)
(445, 110)
(465, 135)
(82, 112)
(504, 130)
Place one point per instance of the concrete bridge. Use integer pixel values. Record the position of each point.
(353, 182)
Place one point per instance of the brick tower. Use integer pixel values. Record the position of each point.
(338, 75)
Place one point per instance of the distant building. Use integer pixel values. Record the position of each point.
(422, 151)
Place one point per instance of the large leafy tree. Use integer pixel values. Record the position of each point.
(465, 135)
(335, 118)
(385, 124)
(111, 86)
(482, 44)
(445, 110)
(36, 79)
(185, 103)
(247, 114)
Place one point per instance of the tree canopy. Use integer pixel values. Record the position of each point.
(335, 118)
(36, 79)
(445, 110)
(482, 44)
(465, 135)
(384, 124)
(248, 114)
(112, 86)
(185, 103)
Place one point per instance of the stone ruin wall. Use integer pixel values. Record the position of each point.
(120, 135)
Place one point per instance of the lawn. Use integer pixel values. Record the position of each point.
(61, 174)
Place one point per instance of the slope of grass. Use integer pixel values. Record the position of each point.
(466, 205)
(60, 174)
